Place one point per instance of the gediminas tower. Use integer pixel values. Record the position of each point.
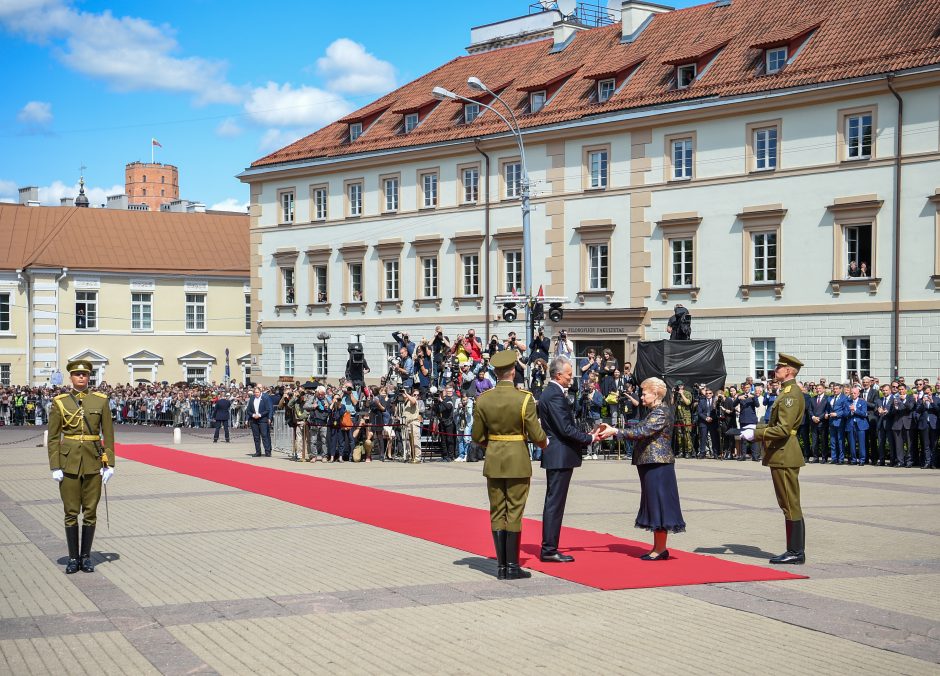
(152, 184)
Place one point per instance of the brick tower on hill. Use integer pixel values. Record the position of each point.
(152, 184)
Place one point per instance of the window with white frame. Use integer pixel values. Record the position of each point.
(321, 355)
(471, 185)
(287, 360)
(858, 138)
(319, 204)
(391, 350)
(513, 263)
(391, 279)
(471, 111)
(857, 357)
(765, 148)
(86, 309)
(765, 256)
(598, 270)
(512, 173)
(247, 312)
(4, 312)
(605, 89)
(471, 274)
(319, 284)
(857, 238)
(287, 286)
(354, 196)
(391, 193)
(537, 101)
(685, 75)
(287, 206)
(597, 166)
(355, 131)
(682, 262)
(411, 121)
(355, 282)
(429, 189)
(764, 351)
(776, 59)
(5, 375)
(141, 311)
(195, 312)
(429, 276)
(196, 375)
(682, 158)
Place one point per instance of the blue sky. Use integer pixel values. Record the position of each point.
(218, 84)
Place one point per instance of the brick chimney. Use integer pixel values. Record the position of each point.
(637, 15)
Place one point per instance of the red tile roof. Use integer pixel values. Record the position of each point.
(855, 38)
(123, 241)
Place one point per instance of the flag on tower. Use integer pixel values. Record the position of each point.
(155, 142)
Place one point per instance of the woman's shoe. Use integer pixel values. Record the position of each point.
(663, 555)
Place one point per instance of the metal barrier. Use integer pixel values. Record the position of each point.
(282, 434)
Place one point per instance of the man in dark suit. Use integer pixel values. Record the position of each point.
(260, 411)
(838, 417)
(707, 414)
(927, 408)
(902, 404)
(818, 418)
(883, 427)
(871, 395)
(857, 427)
(221, 415)
(561, 456)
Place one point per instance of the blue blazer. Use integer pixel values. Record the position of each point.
(859, 419)
(565, 440)
(221, 410)
(265, 408)
(748, 411)
(840, 406)
(928, 408)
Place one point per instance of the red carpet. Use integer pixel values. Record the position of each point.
(602, 560)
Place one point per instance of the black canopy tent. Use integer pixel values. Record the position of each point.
(691, 361)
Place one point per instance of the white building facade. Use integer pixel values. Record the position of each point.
(746, 207)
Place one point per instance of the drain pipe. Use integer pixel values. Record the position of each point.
(486, 240)
(58, 316)
(896, 288)
(22, 276)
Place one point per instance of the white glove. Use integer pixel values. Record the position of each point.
(747, 434)
(58, 475)
(106, 473)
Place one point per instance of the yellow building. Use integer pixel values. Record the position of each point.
(145, 296)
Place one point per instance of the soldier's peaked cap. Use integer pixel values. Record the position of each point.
(79, 366)
(789, 360)
(503, 358)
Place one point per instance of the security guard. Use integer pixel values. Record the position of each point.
(783, 455)
(81, 455)
(503, 421)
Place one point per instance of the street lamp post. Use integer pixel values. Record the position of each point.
(475, 83)
(323, 336)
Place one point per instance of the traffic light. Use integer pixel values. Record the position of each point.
(509, 312)
(555, 313)
(538, 312)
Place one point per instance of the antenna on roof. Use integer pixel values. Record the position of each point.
(547, 4)
(567, 7)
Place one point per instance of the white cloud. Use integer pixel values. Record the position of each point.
(51, 195)
(8, 189)
(274, 139)
(38, 113)
(284, 105)
(228, 128)
(126, 52)
(230, 204)
(352, 70)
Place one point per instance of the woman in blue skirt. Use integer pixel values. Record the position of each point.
(659, 511)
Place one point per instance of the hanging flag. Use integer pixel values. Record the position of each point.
(514, 294)
(541, 294)
(155, 142)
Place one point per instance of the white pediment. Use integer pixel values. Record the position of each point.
(196, 357)
(90, 355)
(143, 357)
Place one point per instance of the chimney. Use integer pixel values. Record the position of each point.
(29, 194)
(637, 15)
(66, 201)
(563, 33)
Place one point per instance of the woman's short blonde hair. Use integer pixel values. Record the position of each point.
(656, 385)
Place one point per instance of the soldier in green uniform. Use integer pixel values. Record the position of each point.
(683, 429)
(504, 420)
(783, 455)
(81, 455)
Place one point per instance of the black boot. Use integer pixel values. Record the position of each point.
(71, 538)
(513, 571)
(796, 536)
(88, 536)
(499, 540)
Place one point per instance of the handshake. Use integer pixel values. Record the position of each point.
(602, 432)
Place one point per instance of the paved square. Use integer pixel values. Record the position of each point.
(196, 577)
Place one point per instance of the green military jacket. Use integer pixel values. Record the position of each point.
(504, 419)
(781, 447)
(72, 435)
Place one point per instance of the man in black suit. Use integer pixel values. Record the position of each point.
(707, 414)
(900, 409)
(561, 456)
(260, 411)
(221, 414)
(872, 396)
(883, 427)
(817, 408)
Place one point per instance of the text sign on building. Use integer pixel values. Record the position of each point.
(143, 285)
(87, 282)
(594, 330)
(196, 285)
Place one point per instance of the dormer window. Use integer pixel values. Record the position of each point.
(537, 101)
(685, 75)
(605, 89)
(471, 111)
(355, 131)
(775, 59)
(411, 121)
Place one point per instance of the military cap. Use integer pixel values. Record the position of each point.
(503, 358)
(789, 360)
(79, 366)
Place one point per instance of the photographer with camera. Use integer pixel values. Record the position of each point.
(563, 347)
(412, 411)
(679, 326)
(404, 340)
(447, 424)
(423, 366)
(749, 408)
(440, 348)
(538, 348)
(379, 417)
(463, 414)
(339, 422)
(404, 368)
(317, 409)
(537, 377)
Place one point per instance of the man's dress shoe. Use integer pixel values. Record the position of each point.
(557, 557)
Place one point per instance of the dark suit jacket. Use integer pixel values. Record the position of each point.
(565, 440)
(703, 410)
(265, 408)
(221, 409)
(900, 411)
(818, 409)
(928, 407)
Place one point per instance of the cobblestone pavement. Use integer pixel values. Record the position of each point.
(196, 577)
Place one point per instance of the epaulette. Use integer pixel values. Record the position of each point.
(99, 394)
(61, 396)
(485, 392)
